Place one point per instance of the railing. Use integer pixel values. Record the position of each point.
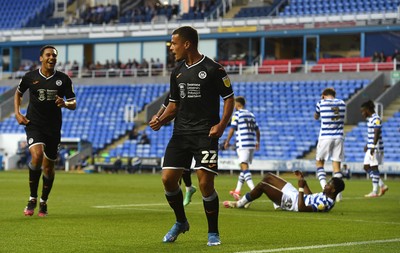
(256, 69)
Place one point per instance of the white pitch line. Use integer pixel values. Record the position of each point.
(346, 244)
(234, 213)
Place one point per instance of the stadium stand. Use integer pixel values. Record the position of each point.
(316, 7)
(352, 64)
(280, 66)
(99, 117)
(270, 102)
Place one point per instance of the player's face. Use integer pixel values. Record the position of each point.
(178, 47)
(49, 58)
(365, 113)
(329, 187)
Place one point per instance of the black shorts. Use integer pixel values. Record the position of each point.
(182, 148)
(50, 140)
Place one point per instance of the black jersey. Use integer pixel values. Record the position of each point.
(42, 110)
(197, 89)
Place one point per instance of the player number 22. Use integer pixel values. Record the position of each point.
(207, 154)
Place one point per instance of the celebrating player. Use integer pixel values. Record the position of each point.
(197, 83)
(47, 89)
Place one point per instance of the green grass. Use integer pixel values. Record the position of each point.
(129, 213)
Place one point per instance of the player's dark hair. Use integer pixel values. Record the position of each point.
(369, 105)
(338, 183)
(45, 47)
(240, 100)
(188, 33)
(329, 92)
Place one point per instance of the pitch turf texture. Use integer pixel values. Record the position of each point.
(129, 213)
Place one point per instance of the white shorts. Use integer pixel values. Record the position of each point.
(245, 155)
(375, 160)
(330, 148)
(290, 197)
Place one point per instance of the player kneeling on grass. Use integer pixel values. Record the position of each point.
(285, 196)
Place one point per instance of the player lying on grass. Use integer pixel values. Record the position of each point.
(285, 196)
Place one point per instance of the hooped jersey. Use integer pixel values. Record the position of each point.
(198, 88)
(42, 110)
(374, 122)
(245, 125)
(332, 113)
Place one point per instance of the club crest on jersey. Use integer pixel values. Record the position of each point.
(182, 90)
(58, 82)
(42, 94)
(227, 81)
(202, 74)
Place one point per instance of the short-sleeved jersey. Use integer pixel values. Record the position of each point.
(332, 113)
(374, 122)
(319, 202)
(245, 125)
(198, 88)
(42, 110)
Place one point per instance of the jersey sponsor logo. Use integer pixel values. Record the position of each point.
(42, 94)
(226, 81)
(212, 166)
(182, 90)
(30, 141)
(202, 74)
(58, 82)
(35, 82)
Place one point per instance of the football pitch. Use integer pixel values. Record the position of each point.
(129, 213)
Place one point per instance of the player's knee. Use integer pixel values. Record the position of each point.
(268, 177)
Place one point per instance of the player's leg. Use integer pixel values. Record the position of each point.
(210, 203)
(373, 173)
(337, 155)
(206, 158)
(382, 187)
(322, 154)
(35, 171)
(176, 158)
(271, 185)
(48, 180)
(190, 189)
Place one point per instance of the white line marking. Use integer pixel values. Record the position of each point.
(346, 244)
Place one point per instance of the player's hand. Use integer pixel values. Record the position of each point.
(301, 183)
(226, 145)
(372, 151)
(365, 148)
(155, 123)
(216, 131)
(21, 119)
(60, 102)
(299, 174)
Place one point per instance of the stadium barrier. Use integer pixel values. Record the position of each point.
(280, 166)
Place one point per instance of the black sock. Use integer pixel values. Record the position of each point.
(175, 200)
(47, 185)
(211, 208)
(34, 177)
(187, 179)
